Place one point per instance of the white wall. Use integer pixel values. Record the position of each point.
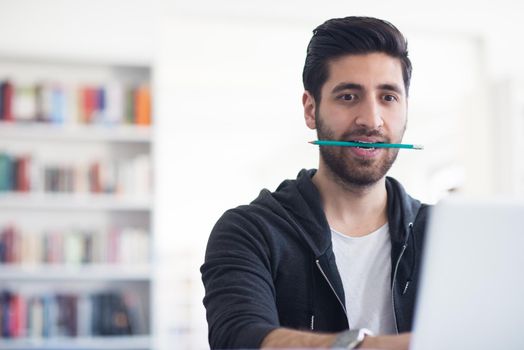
(228, 75)
(232, 125)
(79, 30)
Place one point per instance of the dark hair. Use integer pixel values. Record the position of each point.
(351, 35)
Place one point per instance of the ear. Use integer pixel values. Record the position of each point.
(308, 102)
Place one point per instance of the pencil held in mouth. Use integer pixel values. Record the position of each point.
(364, 144)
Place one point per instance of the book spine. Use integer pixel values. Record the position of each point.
(7, 103)
(130, 105)
(143, 106)
(5, 172)
(58, 105)
(5, 314)
(24, 103)
(2, 100)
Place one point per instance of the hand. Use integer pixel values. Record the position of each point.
(390, 342)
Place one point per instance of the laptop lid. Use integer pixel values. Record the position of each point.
(472, 279)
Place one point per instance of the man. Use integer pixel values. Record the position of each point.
(336, 252)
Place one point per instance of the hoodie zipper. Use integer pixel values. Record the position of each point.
(410, 225)
(331, 286)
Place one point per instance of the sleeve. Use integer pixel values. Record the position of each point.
(239, 290)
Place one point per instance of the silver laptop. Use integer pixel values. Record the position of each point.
(472, 285)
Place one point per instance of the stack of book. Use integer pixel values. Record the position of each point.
(125, 246)
(109, 313)
(23, 173)
(15, 172)
(110, 103)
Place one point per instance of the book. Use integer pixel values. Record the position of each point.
(135, 308)
(1, 102)
(35, 321)
(24, 103)
(17, 317)
(130, 106)
(22, 169)
(114, 104)
(6, 172)
(7, 235)
(7, 101)
(58, 105)
(66, 322)
(142, 106)
(84, 315)
(50, 315)
(100, 105)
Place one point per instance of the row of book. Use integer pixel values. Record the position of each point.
(124, 246)
(24, 173)
(111, 103)
(110, 313)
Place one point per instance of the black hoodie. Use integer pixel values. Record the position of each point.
(270, 264)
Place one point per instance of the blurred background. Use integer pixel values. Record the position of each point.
(127, 127)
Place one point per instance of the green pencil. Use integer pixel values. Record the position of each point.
(364, 145)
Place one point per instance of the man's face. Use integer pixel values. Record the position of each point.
(364, 100)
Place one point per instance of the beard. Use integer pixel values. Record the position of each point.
(350, 171)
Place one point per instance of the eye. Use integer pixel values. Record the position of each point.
(348, 97)
(390, 98)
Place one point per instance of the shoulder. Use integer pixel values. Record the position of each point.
(246, 223)
(423, 214)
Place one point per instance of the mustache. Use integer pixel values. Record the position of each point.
(363, 132)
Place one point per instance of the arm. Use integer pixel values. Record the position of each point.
(287, 338)
(237, 275)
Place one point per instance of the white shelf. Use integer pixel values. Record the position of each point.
(65, 201)
(95, 272)
(74, 133)
(93, 343)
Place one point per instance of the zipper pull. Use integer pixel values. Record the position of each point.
(312, 323)
(406, 287)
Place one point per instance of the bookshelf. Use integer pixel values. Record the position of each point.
(93, 272)
(108, 343)
(77, 133)
(71, 202)
(75, 204)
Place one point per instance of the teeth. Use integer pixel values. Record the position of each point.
(365, 148)
(364, 142)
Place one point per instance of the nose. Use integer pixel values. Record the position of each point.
(370, 115)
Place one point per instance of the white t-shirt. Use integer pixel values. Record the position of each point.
(364, 264)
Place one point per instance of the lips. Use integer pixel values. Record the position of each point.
(365, 152)
(367, 140)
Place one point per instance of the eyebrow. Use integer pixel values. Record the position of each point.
(391, 87)
(359, 87)
(347, 86)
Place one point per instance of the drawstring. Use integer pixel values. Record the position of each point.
(312, 297)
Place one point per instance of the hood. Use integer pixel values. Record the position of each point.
(298, 202)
